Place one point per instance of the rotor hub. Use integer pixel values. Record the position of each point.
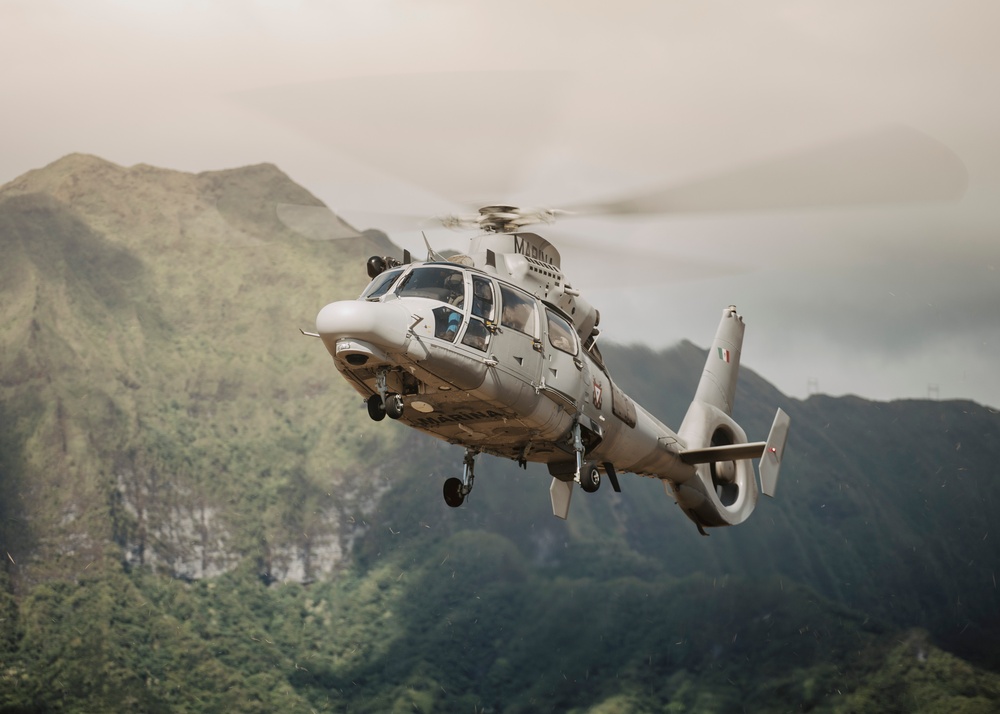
(501, 219)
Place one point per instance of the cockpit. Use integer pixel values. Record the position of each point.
(469, 307)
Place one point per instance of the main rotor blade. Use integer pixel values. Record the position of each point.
(460, 135)
(890, 165)
(315, 222)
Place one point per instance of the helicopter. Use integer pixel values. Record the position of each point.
(495, 351)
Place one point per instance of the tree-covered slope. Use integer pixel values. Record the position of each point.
(155, 390)
(196, 514)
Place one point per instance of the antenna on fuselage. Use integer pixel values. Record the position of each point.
(431, 253)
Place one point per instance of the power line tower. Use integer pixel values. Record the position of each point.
(933, 391)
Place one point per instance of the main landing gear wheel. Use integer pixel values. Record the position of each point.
(456, 489)
(453, 492)
(590, 479)
(376, 407)
(394, 406)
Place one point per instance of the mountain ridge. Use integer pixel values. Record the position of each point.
(111, 266)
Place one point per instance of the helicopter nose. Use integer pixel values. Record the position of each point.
(382, 324)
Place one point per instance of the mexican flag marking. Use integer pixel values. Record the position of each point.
(724, 355)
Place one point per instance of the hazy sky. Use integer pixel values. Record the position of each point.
(422, 108)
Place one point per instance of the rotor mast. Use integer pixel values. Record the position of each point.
(526, 259)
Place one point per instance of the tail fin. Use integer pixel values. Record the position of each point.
(722, 490)
(774, 451)
(722, 368)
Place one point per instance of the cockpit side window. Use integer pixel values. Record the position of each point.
(447, 323)
(381, 284)
(482, 297)
(435, 283)
(561, 334)
(477, 334)
(518, 312)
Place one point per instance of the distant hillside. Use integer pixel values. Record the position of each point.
(196, 513)
(887, 507)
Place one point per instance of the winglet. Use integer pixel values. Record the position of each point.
(561, 492)
(774, 450)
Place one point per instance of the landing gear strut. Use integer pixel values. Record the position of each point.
(385, 402)
(587, 474)
(455, 489)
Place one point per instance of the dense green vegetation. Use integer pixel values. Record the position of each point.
(196, 514)
(471, 627)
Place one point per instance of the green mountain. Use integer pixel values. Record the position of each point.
(156, 399)
(196, 513)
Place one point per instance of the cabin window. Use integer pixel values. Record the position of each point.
(561, 334)
(381, 284)
(518, 311)
(476, 335)
(435, 283)
(446, 323)
(595, 354)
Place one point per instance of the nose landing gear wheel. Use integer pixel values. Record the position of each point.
(453, 495)
(394, 406)
(376, 408)
(590, 479)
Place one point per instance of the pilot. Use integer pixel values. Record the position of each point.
(454, 322)
(447, 323)
(454, 286)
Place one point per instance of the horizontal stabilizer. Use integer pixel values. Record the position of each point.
(561, 492)
(729, 452)
(774, 450)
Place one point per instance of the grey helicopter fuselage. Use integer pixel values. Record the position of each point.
(497, 353)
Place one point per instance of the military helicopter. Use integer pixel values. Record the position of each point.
(496, 351)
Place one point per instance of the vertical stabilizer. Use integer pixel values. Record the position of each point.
(718, 380)
(774, 452)
(722, 490)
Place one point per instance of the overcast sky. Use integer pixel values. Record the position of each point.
(877, 122)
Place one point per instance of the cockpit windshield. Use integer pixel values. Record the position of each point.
(435, 283)
(381, 284)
